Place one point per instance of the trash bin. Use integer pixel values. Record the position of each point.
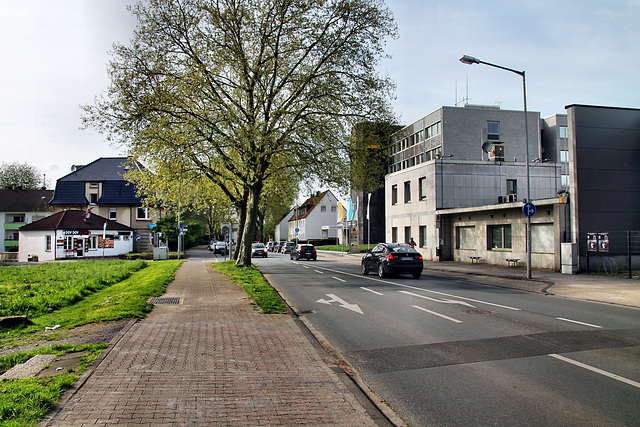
(160, 253)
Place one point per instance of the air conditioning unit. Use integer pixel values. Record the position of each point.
(502, 199)
(513, 198)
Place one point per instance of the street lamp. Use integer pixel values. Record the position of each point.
(470, 60)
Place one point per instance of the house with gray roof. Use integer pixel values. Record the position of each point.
(102, 186)
(19, 207)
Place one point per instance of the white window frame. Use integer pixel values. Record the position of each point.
(146, 216)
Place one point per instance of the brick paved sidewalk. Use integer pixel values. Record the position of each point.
(211, 360)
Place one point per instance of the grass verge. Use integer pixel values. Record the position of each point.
(252, 281)
(126, 299)
(23, 402)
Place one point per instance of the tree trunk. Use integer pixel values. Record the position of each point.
(244, 249)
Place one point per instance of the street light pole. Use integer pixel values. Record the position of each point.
(470, 60)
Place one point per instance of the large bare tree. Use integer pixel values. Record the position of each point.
(245, 90)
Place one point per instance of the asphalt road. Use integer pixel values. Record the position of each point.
(444, 350)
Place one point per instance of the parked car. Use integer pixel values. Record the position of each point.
(258, 249)
(393, 258)
(220, 248)
(278, 246)
(287, 247)
(270, 246)
(304, 251)
(212, 245)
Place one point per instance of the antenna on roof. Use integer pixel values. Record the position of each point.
(464, 100)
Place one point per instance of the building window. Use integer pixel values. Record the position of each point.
(92, 242)
(93, 198)
(512, 186)
(323, 208)
(334, 209)
(93, 185)
(407, 234)
(47, 243)
(142, 214)
(407, 191)
(394, 194)
(422, 188)
(564, 180)
(18, 218)
(466, 237)
(394, 234)
(563, 132)
(422, 238)
(493, 131)
(68, 244)
(113, 213)
(499, 236)
(564, 156)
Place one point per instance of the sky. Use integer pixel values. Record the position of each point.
(55, 55)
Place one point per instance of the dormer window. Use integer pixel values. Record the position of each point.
(93, 185)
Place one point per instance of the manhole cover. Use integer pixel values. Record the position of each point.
(478, 312)
(160, 300)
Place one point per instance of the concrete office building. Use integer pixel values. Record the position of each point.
(456, 184)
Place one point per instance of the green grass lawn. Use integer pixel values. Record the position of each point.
(68, 294)
(252, 281)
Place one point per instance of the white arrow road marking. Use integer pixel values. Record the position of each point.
(445, 301)
(343, 303)
(437, 314)
(420, 289)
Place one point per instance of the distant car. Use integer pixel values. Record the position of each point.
(278, 246)
(258, 249)
(287, 247)
(220, 248)
(270, 246)
(304, 251)
(212, 245)
(393, 258)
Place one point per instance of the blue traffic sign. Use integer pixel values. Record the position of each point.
(529, 209)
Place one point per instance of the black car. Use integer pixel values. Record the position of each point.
(304, 251)
(393, 258)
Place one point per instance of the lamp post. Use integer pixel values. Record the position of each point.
(470, 60)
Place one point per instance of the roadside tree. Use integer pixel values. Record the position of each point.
(242, 91)
(19, 175)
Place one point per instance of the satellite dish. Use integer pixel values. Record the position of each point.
(486, 147)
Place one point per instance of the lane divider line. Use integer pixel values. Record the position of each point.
(419, 289)
(372, 291)
(579, 323)
(437, 314)
(339, 279)
(597, 370)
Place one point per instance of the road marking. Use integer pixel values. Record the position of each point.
(372, 291)
(421, 289)
(318, 271)
(339, 279)
(445, 301)
(343, 303)
(437, 314)
(579, 323)
(596, 370)
(306, 266)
